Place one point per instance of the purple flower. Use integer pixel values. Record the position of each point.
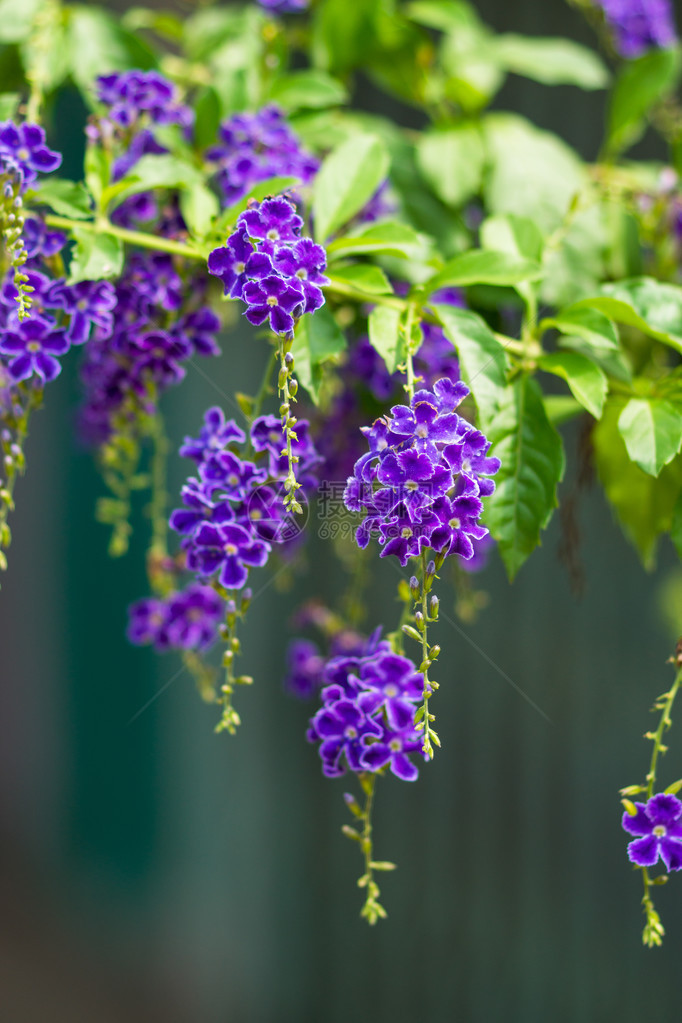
(422, 480)
(273, 221)
(224, 471)
(229, 263)
(88, 304)
(305, 261)
(342, 729)
(31, 347)
(392, 683)
(199, 507)
(192, 618)
(39, 241)
(132, 94)
(304, 669)
(145, 622)
(159, 354)
(198, 329)
(274, 299)
(215, 434)
(187, 620)
(658, 822)
(639, 25)
(25, 143)
(366, 721)
(267, 435)
(228, 550)
(285, 6)
(256, 147)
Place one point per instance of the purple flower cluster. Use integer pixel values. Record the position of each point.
(422, 481)
(136, 101)
(256, 147)
(366, 387)
(366, 721)
(266, 263)
(141, 97)
(61, 315)
(187, 620)
(154, 324)
(639, 25)
(23, 149)
(658, 823)
(305, 660)
(233, 510)
(285, 6)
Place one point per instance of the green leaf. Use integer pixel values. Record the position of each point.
(199, 207)
(390, 237)
(8, 105)
(69, 198)
(95, 256)
(611, 360)
(532, 173)
(643, 504)
(365, 277)
(318, 339)
(97, 44)
(446, 15)
(16, 19)
(653, 307)
(160, 171)
(532, 457)
(587, 322)
(452, 161)
(301, 90)
(208, 113)
(517, 236)
(482, 266)
(166, 25)
(345, 34)
(385, 336)
(348, 177)
(652, 431)
(639, 86)
(587, 381)
(550, 61)
(97, 166)
(482, 358)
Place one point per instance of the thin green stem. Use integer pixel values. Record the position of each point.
(424, 717)
(653, 932)
(665, 704)
(230, 719)
(140, 238)
(14, 465)
(338, 287)
(286, 388)
(372, 909)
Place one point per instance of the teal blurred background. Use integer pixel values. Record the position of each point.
(151, 870)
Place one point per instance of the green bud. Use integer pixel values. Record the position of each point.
(412, 633)
(674, 788)
(630, 807)
(351, 833)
